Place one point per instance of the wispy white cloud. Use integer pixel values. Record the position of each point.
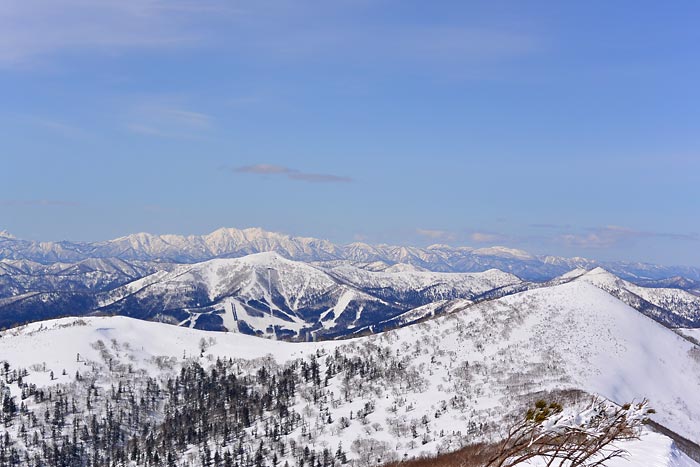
(277, 31)
(434, 234)
(185, 117)
(146, 130)
(56, 126)
(439, 47)
(263, 169)
(549, 226)
(473, 236)
(486, 237)
(168, 121)
(614, 235)
(36, 28)
(313, 177)
(37, 203)
(359, 237)
(460, 43)
(292, 174)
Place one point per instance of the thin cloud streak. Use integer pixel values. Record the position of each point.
(37, 203)
(36, 28)
(606, 237)
(167, 121)
(486, 237)
(263, 169)
(291, 174)
(32, 30)
(188, 117)
(469, 236)
(434, 234)
(613, 235)
(438, 46)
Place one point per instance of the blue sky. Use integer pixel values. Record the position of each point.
(558, 127)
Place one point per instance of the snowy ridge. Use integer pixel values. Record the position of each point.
(443, 286)
(673, 307)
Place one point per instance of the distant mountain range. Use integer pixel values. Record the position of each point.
(232, 243)
(264, 283)
(261, 293)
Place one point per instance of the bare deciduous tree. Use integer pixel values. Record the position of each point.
(577, 439)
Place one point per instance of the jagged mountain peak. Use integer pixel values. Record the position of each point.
(599, 270)
(446, 247)
(6, 234)
(262, 260)
(600, 274)
(136, 237)
(503, 251)
(573, 274)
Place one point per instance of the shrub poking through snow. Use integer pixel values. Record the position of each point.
(568, 438)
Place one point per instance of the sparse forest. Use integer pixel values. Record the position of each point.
(214, 412)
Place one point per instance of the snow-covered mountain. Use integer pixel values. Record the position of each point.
(249, 294)
(671, 307)
(405, 283)
(426, 388)
(256, 292)
(225, 242)
(92, 274)
(229, 242)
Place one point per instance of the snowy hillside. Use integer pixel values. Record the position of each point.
(93, 274)
(424, 388)
(672, 307)
(401, 280)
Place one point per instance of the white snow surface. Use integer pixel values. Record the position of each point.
(677, 301)
(504, 252)
(405, 279)
(651, 450)
(692, 333)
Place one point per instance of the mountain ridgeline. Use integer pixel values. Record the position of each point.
(232, 243)
(263, 283)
